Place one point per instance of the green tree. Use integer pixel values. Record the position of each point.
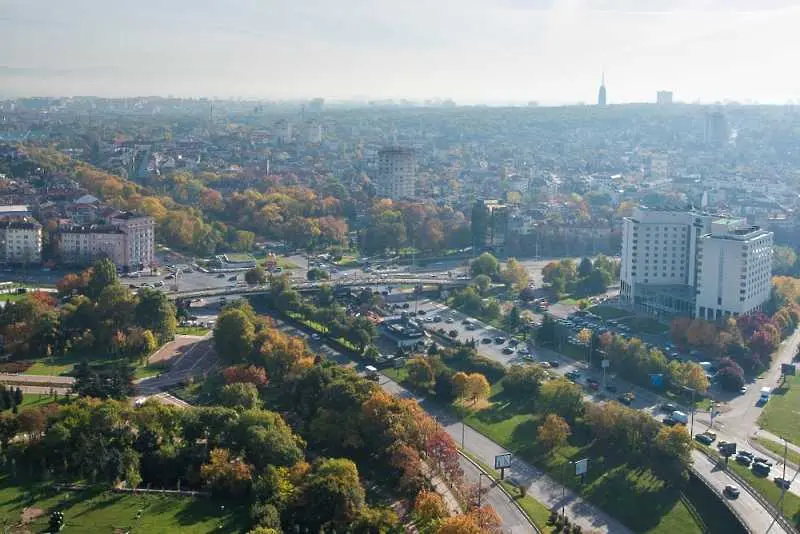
(522, 382)
(482, 282)
(515, 275)
(256, 276)
(513, 320)
(233, 336)
(156, 313)
(585, 268)
(561, 397)
(485, 264)
(547, 332)
(331, 494)
(239, 395)
(104, 273)
(553, 432)
(420, 372)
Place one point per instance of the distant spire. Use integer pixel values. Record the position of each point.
(603, 79)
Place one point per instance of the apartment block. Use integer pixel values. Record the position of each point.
(128, 240)
(20, 241)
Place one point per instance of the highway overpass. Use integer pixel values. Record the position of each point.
(439, 283)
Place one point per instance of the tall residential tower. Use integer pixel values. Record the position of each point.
(397, 173)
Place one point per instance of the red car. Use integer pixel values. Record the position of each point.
(593, 384)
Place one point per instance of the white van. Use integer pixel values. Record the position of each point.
(765, 393)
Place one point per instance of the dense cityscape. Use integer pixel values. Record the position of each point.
(395, 316)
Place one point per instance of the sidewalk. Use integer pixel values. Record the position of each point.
(441, 487)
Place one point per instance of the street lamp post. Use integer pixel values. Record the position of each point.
(480, 489)
(691, 426)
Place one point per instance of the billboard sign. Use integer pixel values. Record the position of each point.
(605, 364)
(657, 380)
(502, 461)
(788, 369)
(581, 467)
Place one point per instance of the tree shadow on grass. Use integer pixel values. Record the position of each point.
(635, 497)
(230, 516)
(100, 502)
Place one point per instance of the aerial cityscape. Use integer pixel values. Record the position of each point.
(568, 309)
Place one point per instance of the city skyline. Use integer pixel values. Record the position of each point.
(475, 51)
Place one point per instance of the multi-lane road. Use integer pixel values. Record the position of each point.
(747, 505)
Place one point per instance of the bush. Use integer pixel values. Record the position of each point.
(469, 361)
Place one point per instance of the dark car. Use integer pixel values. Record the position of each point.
(669, 421)
(221, 275)
(762, 460)
(748, 454)
(668, 407)
(554, 363)
(508, 350)
(704, 439)
(782, 483)
(744, 460)
(760, 469)
(514, 342)
(731, 491)
(421, 312)
(573, 375)
(486, 340)
(406, 305)
(500, 340)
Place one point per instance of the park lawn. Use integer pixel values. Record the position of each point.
(609, 312)
(632, 495)
(569, 301)
(146, 371)
(34, 400)
(50, 368)
(192, 330)
(792, 456)
(99, 510)
(780, 414)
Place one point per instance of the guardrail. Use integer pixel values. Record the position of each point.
(768, 506)
(719, 494)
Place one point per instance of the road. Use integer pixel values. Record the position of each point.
(645, 400)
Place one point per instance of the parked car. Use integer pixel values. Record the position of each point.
(760, 469)
(744, 460)
(573, 375)
(669, 421)
(554, 363)
(508, 350)
(486, 340)
(705, 439)
(668, 407)
(449, 320)
(627, 398)
(731, 491)
(500, 340)
(593, 384)
(315, 337)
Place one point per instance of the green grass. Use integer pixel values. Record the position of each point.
(146, 371)
(34, 400)
(98, 510)
(777, 448)
(538, 512)
(632, 495)
(608, 312)
(192, 330)
(569, 301)
(49, 368)
(781, 415)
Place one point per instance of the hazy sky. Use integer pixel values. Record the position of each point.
(470, 50)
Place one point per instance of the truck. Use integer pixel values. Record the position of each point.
(679, 417)
(765, 392)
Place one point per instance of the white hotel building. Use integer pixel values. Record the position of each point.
(679, 262)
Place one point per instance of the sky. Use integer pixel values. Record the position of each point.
(473, 51)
